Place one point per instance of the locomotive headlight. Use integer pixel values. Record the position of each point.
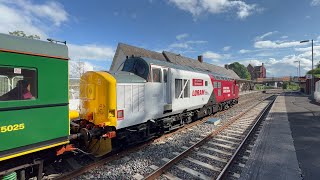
(112, 113)
(90, 116)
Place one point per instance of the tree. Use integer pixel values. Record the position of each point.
(22, 34)
(314, 71)
(240, 70)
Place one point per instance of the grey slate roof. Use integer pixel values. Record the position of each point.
(129, 50)
(185, 61)
(26, 45)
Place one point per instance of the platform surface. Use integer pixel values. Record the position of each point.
(288, 146)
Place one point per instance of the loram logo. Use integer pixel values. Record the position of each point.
(199, 92)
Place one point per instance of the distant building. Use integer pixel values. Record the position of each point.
(257, 71)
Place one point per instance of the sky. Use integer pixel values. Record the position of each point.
(223, 31)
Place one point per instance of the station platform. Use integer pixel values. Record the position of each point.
(288, 146)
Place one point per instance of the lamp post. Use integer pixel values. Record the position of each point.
(312, 79)
(299, 75)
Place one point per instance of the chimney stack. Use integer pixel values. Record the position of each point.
(262, 64)
(200, 59)
(226, 66)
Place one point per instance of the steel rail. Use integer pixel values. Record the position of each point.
(170, 163)
(116, 156)
(235, 154)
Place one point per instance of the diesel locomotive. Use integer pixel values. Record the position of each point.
(146, 98)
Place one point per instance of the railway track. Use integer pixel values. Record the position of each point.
(80, 169)
(212, 156)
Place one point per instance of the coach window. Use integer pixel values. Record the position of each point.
(156, 74)
(18, 83)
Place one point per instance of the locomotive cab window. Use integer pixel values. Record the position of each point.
(137, 66)
(156, 74)
(18, 83)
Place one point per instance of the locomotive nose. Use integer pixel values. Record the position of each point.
(98, 98)
(98, 109)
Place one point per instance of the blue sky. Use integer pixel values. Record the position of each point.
(223, 31)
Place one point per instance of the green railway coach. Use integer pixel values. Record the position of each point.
(33, 96)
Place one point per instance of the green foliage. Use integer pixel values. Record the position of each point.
(315, 71)
(290, 86)
(240, 70)
(285, 85)
(259, 86)
(22, 34)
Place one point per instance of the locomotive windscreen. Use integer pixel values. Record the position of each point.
(137, 66)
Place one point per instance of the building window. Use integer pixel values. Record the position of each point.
(219, 92)
(156, 74)
(219, 84)
(206, 83)
(18, 83)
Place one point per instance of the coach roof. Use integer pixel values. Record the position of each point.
(31, 46)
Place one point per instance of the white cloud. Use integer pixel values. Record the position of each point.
(243, 51)
(90, 52)
(50, 10)
(259, 38)
(31, 18)
(179, 45)
(253, 62)
(185, 45)
(315, 2)
(215, 57)
(182, 36)
(226, 48)
(196, 42)
(198, 7)
(212, 55)
(275, 44)
(304, 49)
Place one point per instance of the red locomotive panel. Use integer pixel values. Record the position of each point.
(224, 90)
